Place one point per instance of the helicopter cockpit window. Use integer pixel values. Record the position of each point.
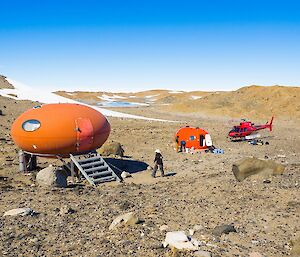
(192, 138)
(31, 125)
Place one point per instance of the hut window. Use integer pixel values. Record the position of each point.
(192, 138)
(31, 125)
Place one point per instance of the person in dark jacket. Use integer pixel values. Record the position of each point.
(182, 146)
(177, 143)
(158, 163)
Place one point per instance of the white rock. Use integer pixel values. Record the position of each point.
(128, 218)
(18, 211)
(51, 177)
(125, 174)
(281, 156)
(211, 245)
(179, 240)
(66, 210)
(202, 254)
(191, 232)
(163, 228)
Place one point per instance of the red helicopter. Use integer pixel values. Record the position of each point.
(246, 128)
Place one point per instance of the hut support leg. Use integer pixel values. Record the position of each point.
(22, 161)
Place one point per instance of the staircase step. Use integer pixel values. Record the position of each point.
(96, 163)
(98, 169)
(100, 174)
(91, 159)
(104, 179)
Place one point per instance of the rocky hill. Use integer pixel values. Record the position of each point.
(255, 102)
(4, 83)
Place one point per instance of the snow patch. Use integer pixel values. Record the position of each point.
(194, 97)
(175, 92)
(110, 98)
(106, 98)
(151, 96)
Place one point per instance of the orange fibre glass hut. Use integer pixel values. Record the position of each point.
(60, 129)
(194, 137)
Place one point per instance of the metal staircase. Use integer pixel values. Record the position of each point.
(94, 168)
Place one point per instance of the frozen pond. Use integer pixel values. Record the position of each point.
(119, 104)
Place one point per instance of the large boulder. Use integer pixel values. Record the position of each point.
(223, 229)
(52, 177)
(111, 148)
(250, 166)
(19, 212)
(180, 240)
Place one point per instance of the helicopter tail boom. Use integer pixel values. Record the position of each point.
(270, 125)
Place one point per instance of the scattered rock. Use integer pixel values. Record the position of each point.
(66, 210)
(1, 113)
(191, 232)
(267, 181)
(129, 218)
(202, 254)
(163, 227)
(125, 174)
(179, 240)
(19, 211)
(223, 229)
(251, 166)
(51, 177)
(255, 254)
(281, 156)
(112, 148)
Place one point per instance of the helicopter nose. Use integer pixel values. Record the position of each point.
(231, 134)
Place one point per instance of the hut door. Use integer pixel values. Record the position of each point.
(85, 134)
(208, 140)
(202, 141)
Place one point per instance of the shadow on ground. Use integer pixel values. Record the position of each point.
(170, 174)
(130, 166)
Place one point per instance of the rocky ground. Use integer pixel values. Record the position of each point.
(200, 193)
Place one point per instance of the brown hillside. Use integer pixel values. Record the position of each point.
(254, 101)
(249, 102)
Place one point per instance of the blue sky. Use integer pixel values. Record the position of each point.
(138, 45)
